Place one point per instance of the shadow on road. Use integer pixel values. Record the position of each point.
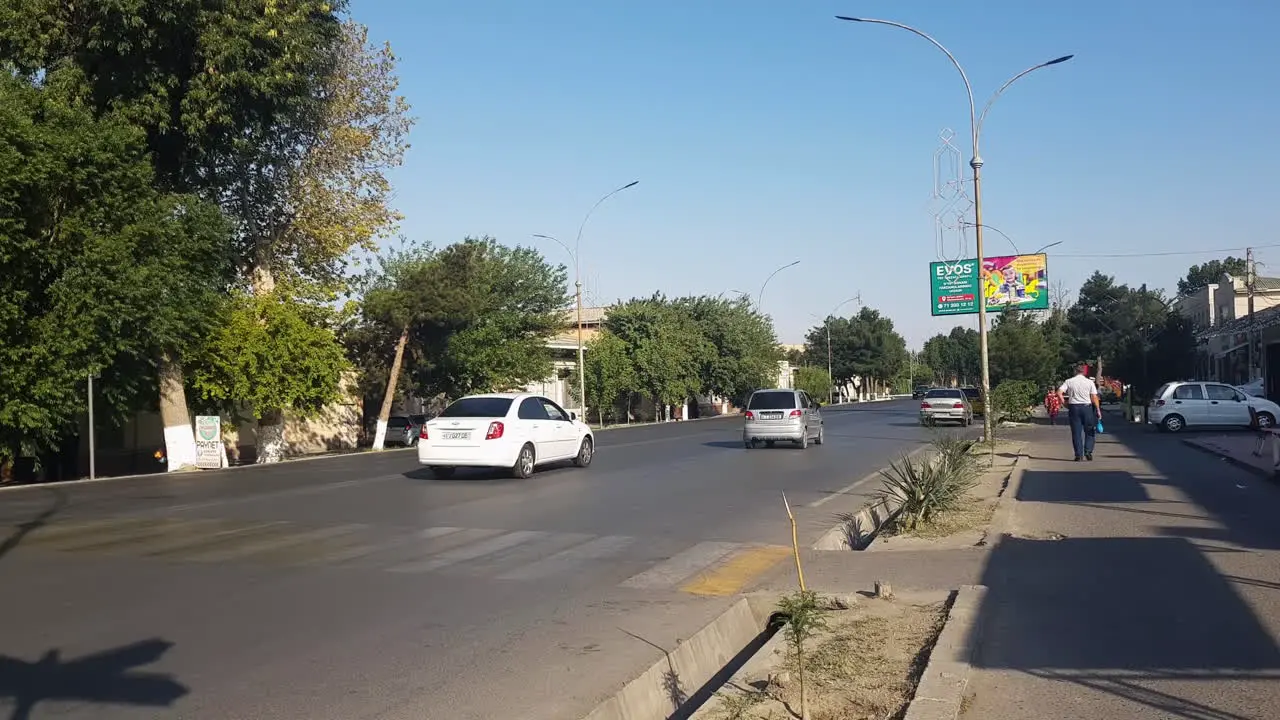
(1146, 620)
(109, 677)
(22, 530)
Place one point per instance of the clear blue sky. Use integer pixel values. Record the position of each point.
(764, 132)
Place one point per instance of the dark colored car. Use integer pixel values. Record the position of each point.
(919, 391)
(975, 400)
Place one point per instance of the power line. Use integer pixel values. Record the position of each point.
(1162, 254)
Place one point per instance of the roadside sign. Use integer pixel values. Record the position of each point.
(209, 450)
(954, 287)
(1011, 281)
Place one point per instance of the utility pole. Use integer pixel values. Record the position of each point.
(831, 379)
(1250, 278)
(92, 449)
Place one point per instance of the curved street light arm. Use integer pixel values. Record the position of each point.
(760, 296)
(578, 241)
(558, 241)
(982, 118)
(997, 231)
(973, 121)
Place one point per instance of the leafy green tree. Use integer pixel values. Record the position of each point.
(497, 308)
(813, 381)
(864, 346)
(1018, 350)
(609, 373)
(668, 349)
(97, 268)
(1199, 276)
(746, 349)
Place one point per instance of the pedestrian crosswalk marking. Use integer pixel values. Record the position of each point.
(681, 566)
(731, 577)
(706, 568)
(468, 552)
(571, 558)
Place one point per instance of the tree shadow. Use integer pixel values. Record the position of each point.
(108, 677)
(21, 531)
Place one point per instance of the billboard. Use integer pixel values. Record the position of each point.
(1011, 281)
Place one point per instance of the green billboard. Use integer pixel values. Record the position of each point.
(1017, 281)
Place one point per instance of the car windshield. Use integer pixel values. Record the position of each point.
(949, 394)
(398, 422)
(773, 400)
(470, 407)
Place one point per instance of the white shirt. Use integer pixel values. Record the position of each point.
(1079, 390)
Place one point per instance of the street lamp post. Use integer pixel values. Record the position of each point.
(975, 131)
(831, 378)
(765, 284)
(577, 289)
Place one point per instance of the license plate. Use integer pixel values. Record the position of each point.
(771, 416)
(456, 435)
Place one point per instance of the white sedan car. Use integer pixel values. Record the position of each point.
(503, 430)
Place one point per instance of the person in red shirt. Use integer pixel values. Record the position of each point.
(1052, 404)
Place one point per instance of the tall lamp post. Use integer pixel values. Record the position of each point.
(831, 378)
(577, 288)
(975, 131)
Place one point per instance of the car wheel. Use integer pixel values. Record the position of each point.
(821, 432)
(1266, 420)
(1173, 423)
(523, 468)
(803, 442)
(585, 452)
(443, 473)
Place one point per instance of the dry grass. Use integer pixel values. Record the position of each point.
(864, 666)
(973, 514)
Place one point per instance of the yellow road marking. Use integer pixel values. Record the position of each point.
(741, 569)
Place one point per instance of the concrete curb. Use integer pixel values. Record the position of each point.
(940, 694)
(694, 662)
(860, 529)
(1004, 518)
(1274, 476)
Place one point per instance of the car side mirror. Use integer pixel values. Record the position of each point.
(573, 415)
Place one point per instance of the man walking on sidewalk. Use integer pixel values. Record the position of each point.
(1084, 411)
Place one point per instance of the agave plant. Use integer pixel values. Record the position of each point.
(924, 488)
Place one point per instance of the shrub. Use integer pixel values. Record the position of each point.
(925, 488)
(1013, 399)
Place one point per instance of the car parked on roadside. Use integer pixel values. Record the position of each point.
(946, 405)
(517, 431)
(403, 431)
(782, 415)
(1176, 406)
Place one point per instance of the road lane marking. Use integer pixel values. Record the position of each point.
(468, 552)
(362, 550)
(520, 555)
(570, 559)
(64, 532)
(731, 577)
(269, 543)
(155, 530)
(274, 494)
(675, 569)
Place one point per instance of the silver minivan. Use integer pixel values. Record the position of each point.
(780, 414)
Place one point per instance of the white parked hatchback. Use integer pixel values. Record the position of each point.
(503, 430)
(1179, 405)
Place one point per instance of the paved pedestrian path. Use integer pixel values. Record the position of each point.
(1145, 584)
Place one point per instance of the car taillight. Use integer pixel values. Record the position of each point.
(925, 406)
(495, 431)
(958, 406)
(796, 413)
(422, 434)
(750, 415)
(1159, 403)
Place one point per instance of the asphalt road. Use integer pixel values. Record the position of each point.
(358, 587)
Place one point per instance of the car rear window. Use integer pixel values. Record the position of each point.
(954, 394)
(417, 419)
(398, 422)
(1163, 389)
(774, 400)
(478, 407)
(972, 393)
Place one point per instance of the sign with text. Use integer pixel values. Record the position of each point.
(208, 442)
(1010, 281)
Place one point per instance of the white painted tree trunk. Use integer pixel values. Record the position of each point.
(179, 437)
(271, 442)
(388, 399)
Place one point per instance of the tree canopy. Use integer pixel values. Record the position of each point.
(1199, 276)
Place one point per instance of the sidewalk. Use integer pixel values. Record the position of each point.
(1237, 449)
(1145, 584)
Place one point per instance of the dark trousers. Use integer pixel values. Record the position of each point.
(1084, 427)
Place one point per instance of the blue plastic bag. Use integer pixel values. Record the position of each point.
(1099, 428)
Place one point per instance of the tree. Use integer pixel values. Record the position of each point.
(97, 268)
(813, 381)
(609, 373)
(746, 352)
(1018, 350)
(226, 94)
(1199, 276)
(497, 308)
(953, 357)
(668, 349)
